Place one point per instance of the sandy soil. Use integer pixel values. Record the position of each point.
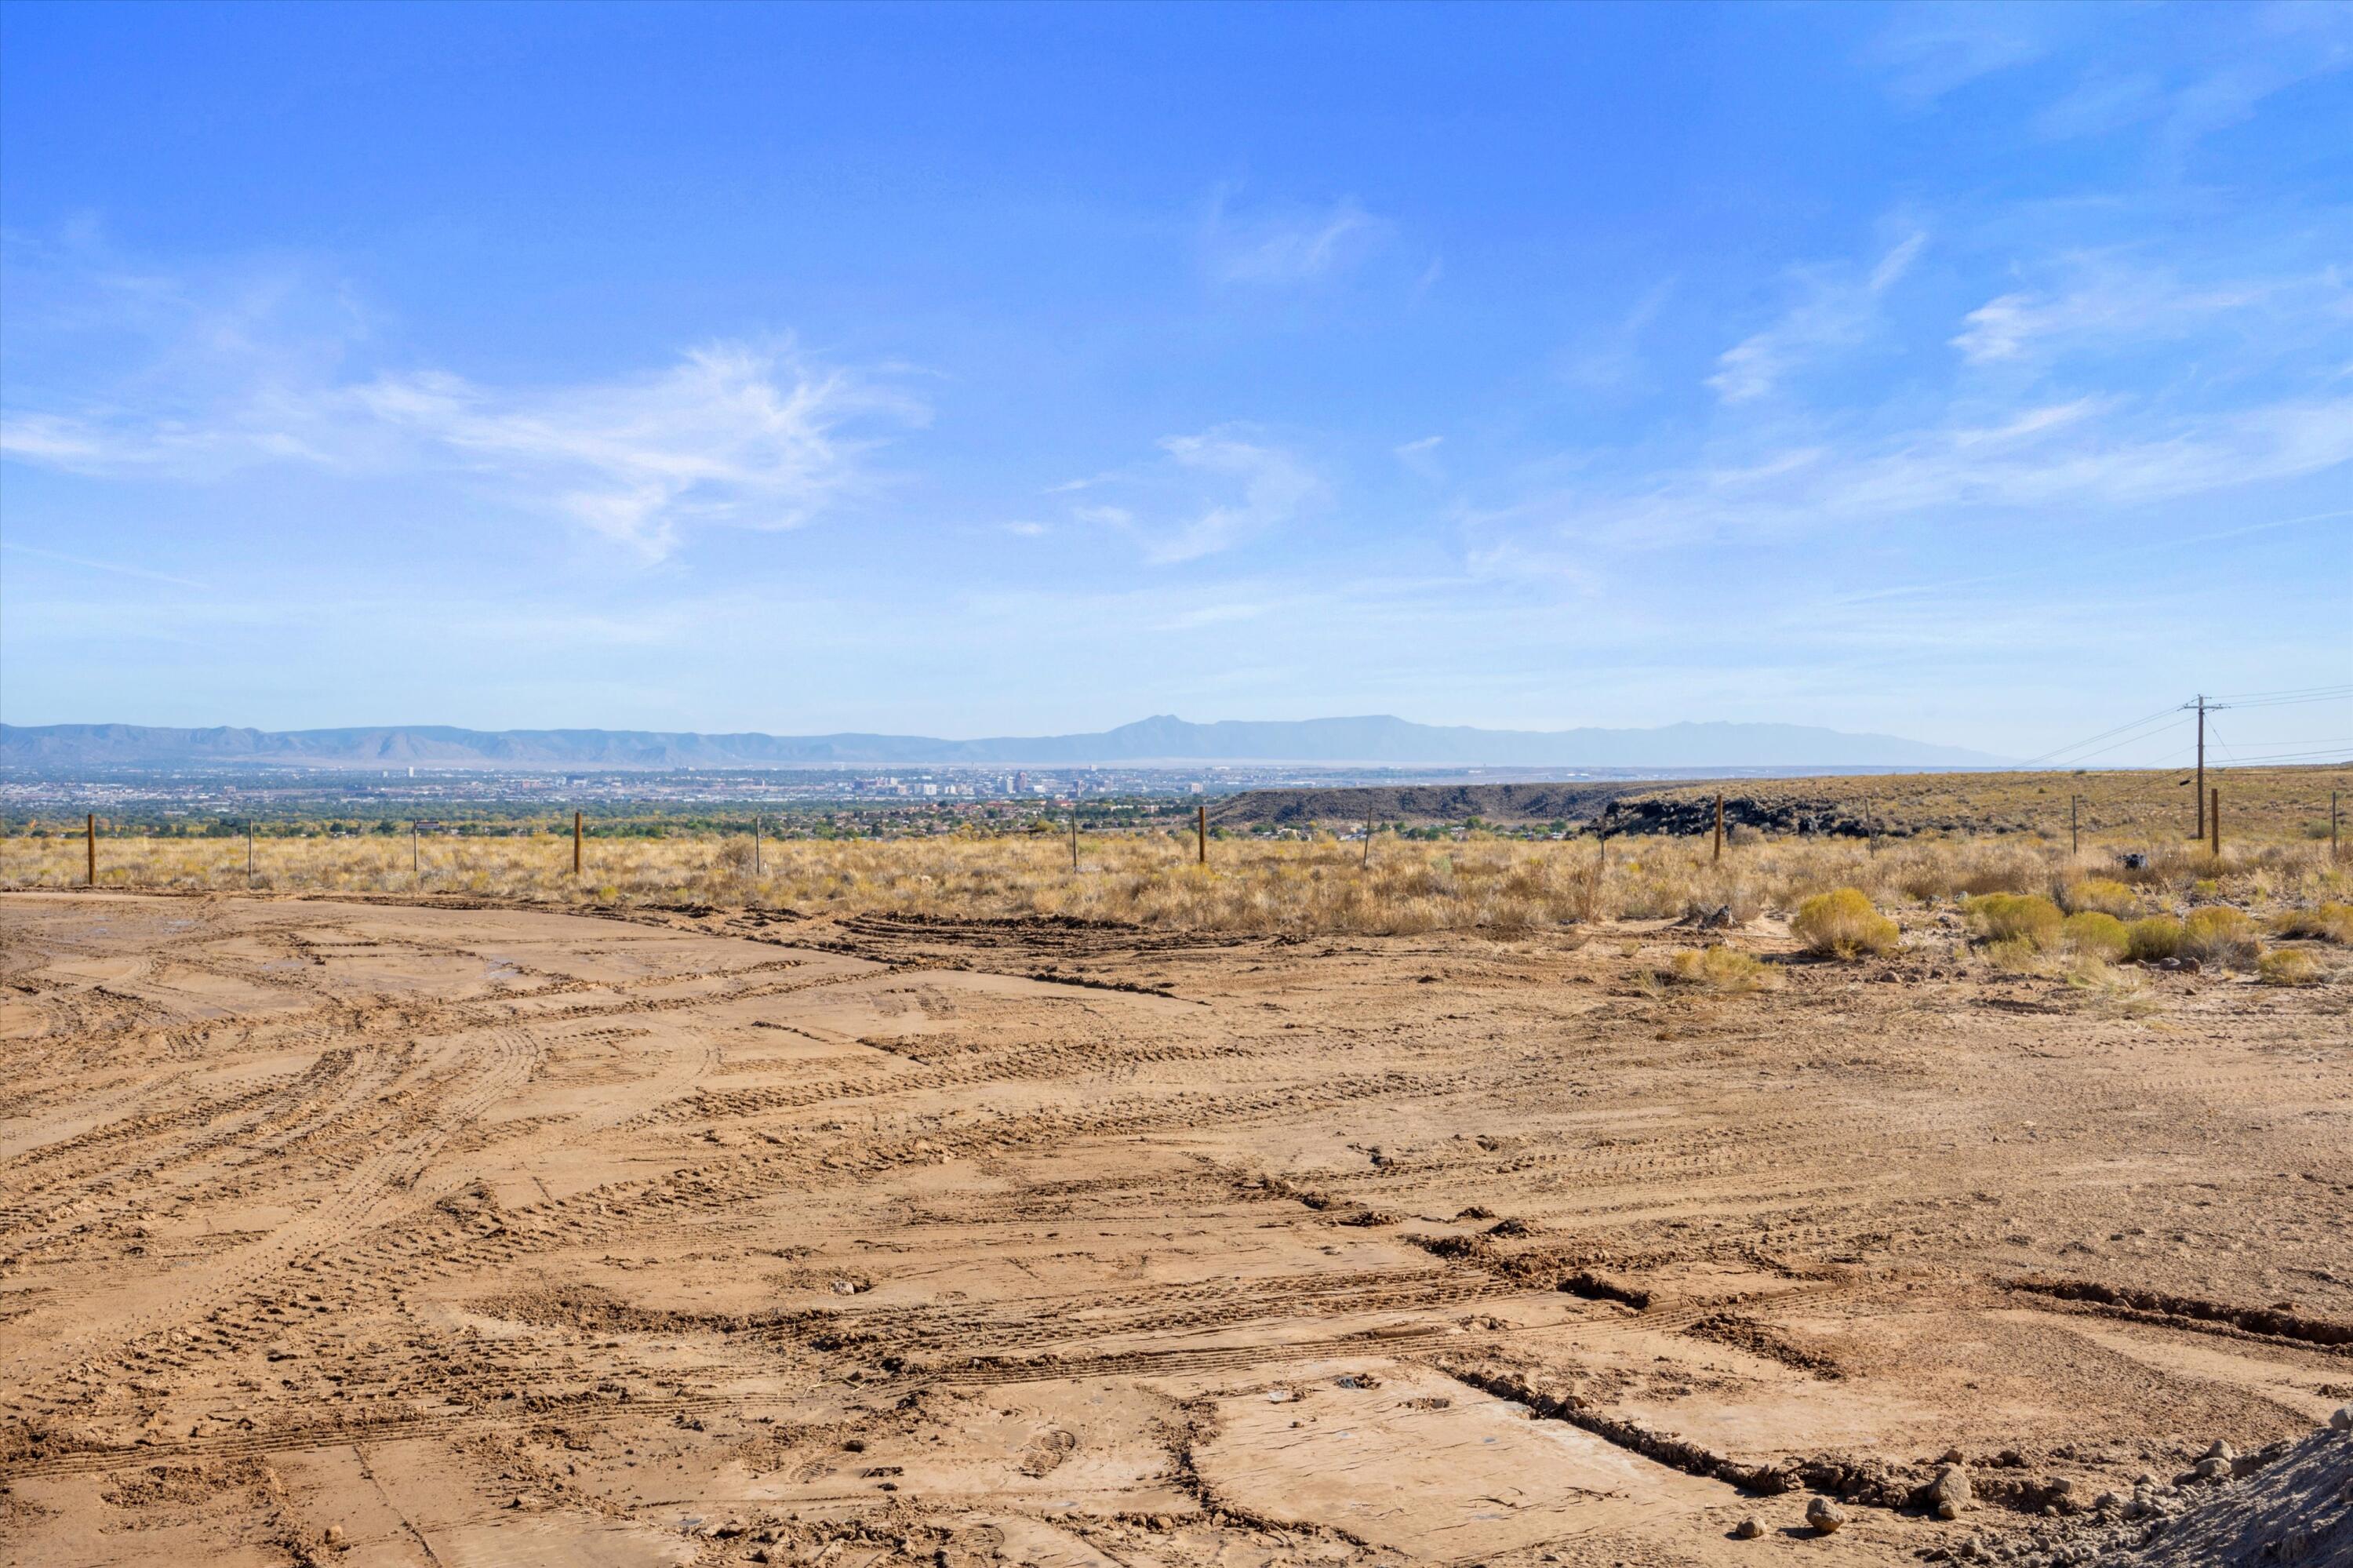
(374, 1235)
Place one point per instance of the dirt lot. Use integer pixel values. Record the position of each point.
(381, 1234)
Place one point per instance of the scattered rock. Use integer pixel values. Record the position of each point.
(1749, 1528)
(1949, 1493)
(1824, 1515)
(2343, 1420)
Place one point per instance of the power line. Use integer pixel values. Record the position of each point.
(2346, 695)
(2129, 740)
(2088, 740)
(2315, 694)
(2140, 729)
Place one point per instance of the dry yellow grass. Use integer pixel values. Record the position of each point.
(1317, 885)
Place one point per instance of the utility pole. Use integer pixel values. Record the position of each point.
(1719, 828)
(1075, 833)
(755, 843)
(2200, 704)
(575, 843)
(2205, 800)
(1201, 831)
(92, 826)
(249, 852)
(414, 874)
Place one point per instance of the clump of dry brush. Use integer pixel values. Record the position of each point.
(1297, 886)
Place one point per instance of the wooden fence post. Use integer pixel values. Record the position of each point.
(248, 853)
(1201, 831)
(1719, 827)
(755, 843)
(575, 843)
(2214, 821)
(91, 827)
(1075, 833)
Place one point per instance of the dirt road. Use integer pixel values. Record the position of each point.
(375, 1234)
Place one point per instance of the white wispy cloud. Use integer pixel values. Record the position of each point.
(1274, 486)
(2046, 459)
(1206, 493)
(750, 435)
(2107, 301)
(1932, 50)
(731, 434)
(1420, 457)
(1287, 245)
(1834, 313)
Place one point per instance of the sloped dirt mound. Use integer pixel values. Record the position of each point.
(2298, 1509)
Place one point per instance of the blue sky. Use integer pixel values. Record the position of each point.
(1981, 375)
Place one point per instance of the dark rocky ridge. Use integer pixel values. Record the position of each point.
(1629, 808)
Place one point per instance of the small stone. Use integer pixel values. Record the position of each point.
(2221, 1450)
(1951, 1456)
(1824, 1515)
(2211, 1467)
(334, 1537)
(1749, 1528)
(2343, 1419)
(1949, 1493)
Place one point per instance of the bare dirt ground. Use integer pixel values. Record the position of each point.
(375, 1234)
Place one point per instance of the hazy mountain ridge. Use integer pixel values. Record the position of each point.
(1162, 738)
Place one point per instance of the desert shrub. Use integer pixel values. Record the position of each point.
(2095, 935)
(2016, 917)
(2099, 894)
(2327, 923)
(2219, 935)
(2013, 954)
(2157, 937)
(2287, 967)
(1843, 923)
(1720, 968)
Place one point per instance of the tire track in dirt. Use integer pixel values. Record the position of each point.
(379, 1178)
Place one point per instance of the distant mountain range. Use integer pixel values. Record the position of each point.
(1379, 739)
